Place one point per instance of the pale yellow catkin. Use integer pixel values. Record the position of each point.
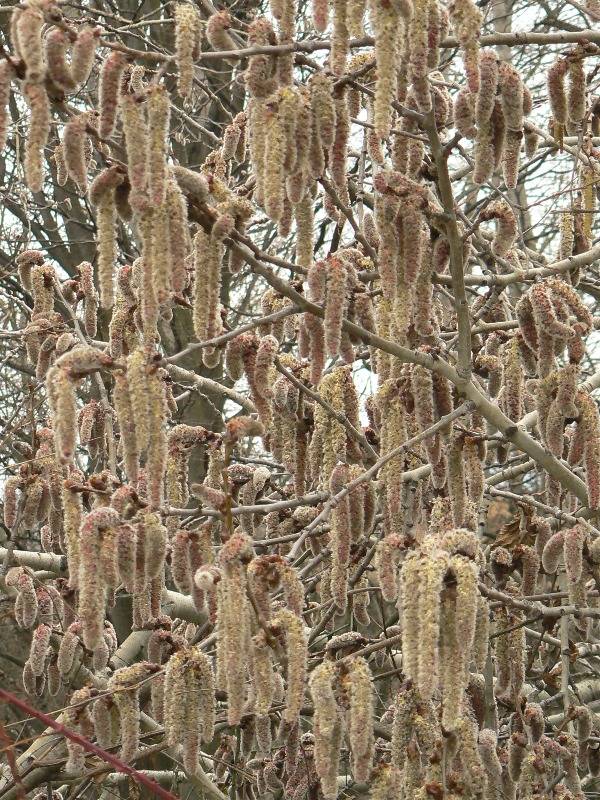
(102, 195)
(159, 115)
(187, 45)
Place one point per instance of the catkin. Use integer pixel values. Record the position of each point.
(109, 91)
(124, 684)
(59, 71)
(388, 26)
(97, 545)
(102, 196)
(74, 149)
(511, 96)
(159, 114)
(135, 129)
(187, 45)
(466, 20)
(7, 73)
(488, 83)
(217, 29)
(83, 53)
(27, 26)
(576, 87)
(37, 136)
(360, 725)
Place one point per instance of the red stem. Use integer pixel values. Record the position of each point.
(119, 766)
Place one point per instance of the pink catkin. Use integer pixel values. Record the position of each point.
(37, 135)
(28, 29)
(83, 53)
(110, 88)
(59, 70)
(488, 83)
(335, 304)
(556, 90)
(74, 149)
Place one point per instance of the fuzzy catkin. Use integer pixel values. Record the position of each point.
(135, 129)
(511, 157)
(326, 726)
(388, 25)
(159, 114)
(556, 90)
(466, 19)
(7, 73)
(187, 43)
(576, 88)
(109, 91)
(37, 136)
(217, 33)
(84, 52)
(511, 96)
(483, 154)
(488, 83)
(27, 26)
(74, 149)
(102, 195)
(360, 727)
(124, 684)
(97, 544)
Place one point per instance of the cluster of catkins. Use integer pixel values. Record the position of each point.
(490, 109)
(41, 40)
(106, 479)
(566, 82)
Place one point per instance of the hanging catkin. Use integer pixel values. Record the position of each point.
(102, 196)
(37, 135)
(159, 113)
(109, 91)
(187, 45)
(208, 255)
(135, 129)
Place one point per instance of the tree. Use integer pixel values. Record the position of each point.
(291, 297)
